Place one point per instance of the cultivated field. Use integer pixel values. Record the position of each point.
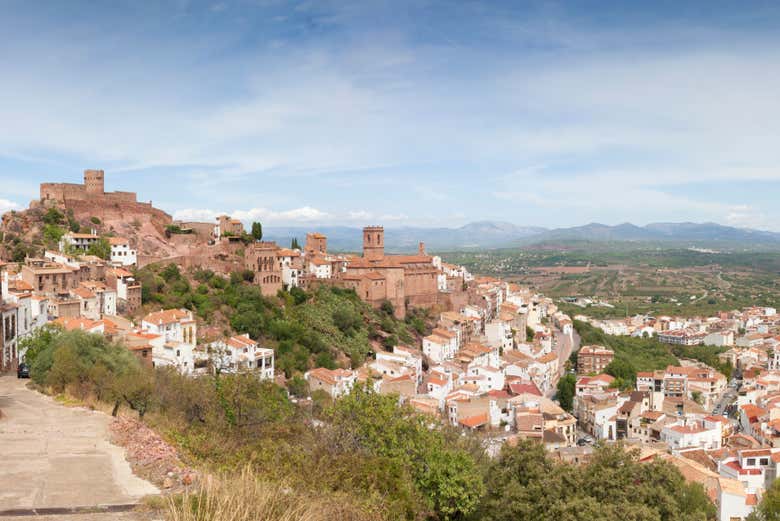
(634, 280)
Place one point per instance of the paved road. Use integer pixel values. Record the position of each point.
(566, 346)
(56, 456)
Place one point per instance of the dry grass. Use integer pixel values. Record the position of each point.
(245, 497)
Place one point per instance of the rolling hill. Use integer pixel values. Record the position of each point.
(498, 234)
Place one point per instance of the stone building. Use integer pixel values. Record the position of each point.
(228, 227)
(93, 187)
(316, 244)
(593, 359)
(403, 280)
(89, 199)
(49, 277)
(263, 258)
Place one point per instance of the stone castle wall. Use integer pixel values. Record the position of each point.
(62, 193)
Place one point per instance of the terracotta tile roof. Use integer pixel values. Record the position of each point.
(742, 471)
(520, 388)
(753, 411)
(475, 421)
(436, 380)
(83, 292)
(687, 429)
(240, 342)
(72, 324)
(167, 316)
(329, 376)
(595, 350)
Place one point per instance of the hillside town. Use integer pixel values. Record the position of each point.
(490, 363)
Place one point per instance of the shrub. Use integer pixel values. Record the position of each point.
(53, 216)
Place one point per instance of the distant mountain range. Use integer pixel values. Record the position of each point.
(497, 234)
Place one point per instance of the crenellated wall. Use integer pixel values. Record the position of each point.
(91, 190)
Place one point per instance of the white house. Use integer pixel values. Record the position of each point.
(720, 338)
(78, 241)
(440, 345)
(499, 334)
(239, 353)
(487, 378)
(121, 252)
(320, 268)
(89, 304)
(690, 433)
(402, 361)
(179, 332)
(106, 296)
(288, 260)
(734, 502)
(335, 382)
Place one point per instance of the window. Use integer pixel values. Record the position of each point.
(751, 462)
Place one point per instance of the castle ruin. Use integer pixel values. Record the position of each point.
(93, 189)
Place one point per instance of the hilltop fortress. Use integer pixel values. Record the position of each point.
(90, 199)
(93, 189)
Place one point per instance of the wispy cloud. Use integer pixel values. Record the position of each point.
(406, 116)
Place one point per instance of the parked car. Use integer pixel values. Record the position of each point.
(23, 371)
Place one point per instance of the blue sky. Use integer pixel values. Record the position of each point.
(400, 113)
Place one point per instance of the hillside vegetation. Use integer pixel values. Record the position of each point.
(634, 354)
(325, 327)
(365, 458)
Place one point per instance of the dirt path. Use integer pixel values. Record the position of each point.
(52, 456)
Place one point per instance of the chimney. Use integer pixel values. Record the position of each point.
(421, 248)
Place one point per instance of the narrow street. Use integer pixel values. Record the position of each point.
(57, 457)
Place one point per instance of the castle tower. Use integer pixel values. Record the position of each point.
(94, 182)
(373, 243)
(316, 243)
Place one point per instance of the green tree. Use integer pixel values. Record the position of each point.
(52, 233)
(53, 216)
(566, 388)
(445, 473)
(257, 231)
(294, 244)
(135, 386)
(387, 308)
(525, 484)
(620, 368)
(298, 386)
(100, 248)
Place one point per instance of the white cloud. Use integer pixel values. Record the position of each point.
(745, 216)
(303, 214)
(612, 128)
(7, 206)
(360, 215)
(195, 215)
(295, 215)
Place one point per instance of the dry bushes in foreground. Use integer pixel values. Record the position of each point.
(246, 497)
